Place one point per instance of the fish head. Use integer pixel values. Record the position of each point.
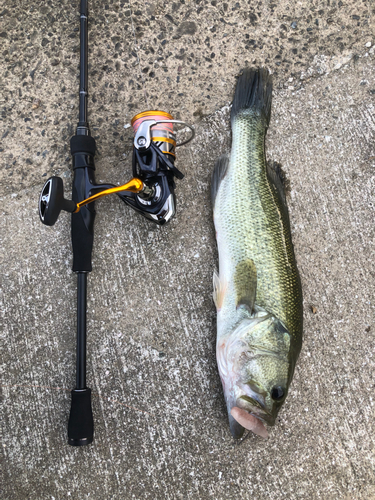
(255, 367)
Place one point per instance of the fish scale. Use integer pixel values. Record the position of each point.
(252, 229)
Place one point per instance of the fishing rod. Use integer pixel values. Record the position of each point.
(150, 192)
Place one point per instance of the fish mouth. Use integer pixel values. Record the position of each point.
(248, 413)
(254, 407)
(241, 419)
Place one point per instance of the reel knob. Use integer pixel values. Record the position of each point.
(52, 201)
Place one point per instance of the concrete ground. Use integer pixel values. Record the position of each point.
(161, 429)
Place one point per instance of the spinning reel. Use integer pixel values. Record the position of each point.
(150, 192)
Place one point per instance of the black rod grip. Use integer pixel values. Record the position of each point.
(82, 239)
(81, 330)
(81, 422)
(83, 150)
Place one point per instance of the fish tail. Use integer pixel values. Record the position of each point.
(253, 92)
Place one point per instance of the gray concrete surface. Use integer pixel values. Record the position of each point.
(161, 426)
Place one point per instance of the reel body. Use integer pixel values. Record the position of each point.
(153, 162)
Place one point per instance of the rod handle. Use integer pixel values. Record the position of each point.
(81, 422)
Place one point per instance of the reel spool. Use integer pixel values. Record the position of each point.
(161, 133)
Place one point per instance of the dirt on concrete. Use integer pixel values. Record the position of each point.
(161, 429)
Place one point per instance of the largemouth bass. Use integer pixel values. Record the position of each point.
(258, 290)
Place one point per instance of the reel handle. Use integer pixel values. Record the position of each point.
(52, 201)
(81, 421)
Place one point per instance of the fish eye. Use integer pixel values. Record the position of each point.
(277, 393)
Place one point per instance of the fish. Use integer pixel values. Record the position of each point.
(257, 291)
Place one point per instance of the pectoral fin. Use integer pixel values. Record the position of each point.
(219, 290)
(245, 284)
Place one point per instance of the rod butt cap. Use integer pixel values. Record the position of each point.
(81, 422)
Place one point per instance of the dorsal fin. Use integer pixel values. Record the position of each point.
(276, 178)
(220, 170)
